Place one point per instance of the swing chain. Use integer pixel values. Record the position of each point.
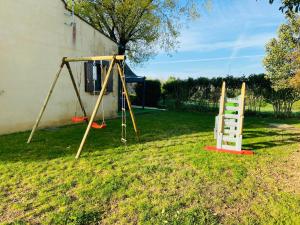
(102, 103)
(94, 76)
(78, 74)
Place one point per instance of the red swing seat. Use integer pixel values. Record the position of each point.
(79, 119)
(98, 126)
(95, 125)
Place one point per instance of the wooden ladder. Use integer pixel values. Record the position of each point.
(229, 123)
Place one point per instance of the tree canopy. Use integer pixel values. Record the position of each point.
(282, 53)
(282, 65)
(295, 81)
(289, 6)
(140, 28)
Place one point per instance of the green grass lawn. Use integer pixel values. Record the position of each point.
(167, 178)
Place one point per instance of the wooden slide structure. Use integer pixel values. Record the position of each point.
(229, 124)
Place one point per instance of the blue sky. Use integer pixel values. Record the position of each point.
(228, 39)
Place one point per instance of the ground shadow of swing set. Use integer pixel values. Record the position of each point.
(118, 60)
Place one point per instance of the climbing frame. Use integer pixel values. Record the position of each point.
(229, 123)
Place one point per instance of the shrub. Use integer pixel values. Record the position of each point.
(152, 94)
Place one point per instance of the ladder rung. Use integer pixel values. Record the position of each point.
(232, 108)
(229, 139)
(230, 123)
(123, 140)
(124, 125)
(123, 109)
(231, 116)
(233, 100)
(230, 131)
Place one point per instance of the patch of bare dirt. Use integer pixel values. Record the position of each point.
(291, 180)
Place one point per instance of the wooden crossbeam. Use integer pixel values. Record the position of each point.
(95, 58)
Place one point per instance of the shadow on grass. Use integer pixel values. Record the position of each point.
(63, 141)
(275, 137)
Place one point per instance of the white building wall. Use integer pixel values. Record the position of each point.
(33, 40)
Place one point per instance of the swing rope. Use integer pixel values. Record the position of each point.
(95, 125)
(79, 87)
(123, 102)
(79, 119)
(75, 118)
(102, 103)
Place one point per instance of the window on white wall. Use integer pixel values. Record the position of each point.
(92, 82)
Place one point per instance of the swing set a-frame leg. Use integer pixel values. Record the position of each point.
(46, 101)
(122, 77)
(50, 93)
(96, 107)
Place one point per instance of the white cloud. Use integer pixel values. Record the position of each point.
(208, 59)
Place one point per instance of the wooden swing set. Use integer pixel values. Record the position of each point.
(118, 60)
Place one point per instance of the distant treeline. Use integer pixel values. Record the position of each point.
(204, 93)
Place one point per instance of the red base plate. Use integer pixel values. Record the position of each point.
(242, 152)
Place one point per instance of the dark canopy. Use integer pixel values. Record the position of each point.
(131, 77)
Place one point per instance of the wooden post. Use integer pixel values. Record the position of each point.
(46, 102)
(222, 107)
(242, 108)
(75, 88)
(96, 108)
(122, 77)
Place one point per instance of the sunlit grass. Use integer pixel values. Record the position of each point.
(166, 178)
(269, 108)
